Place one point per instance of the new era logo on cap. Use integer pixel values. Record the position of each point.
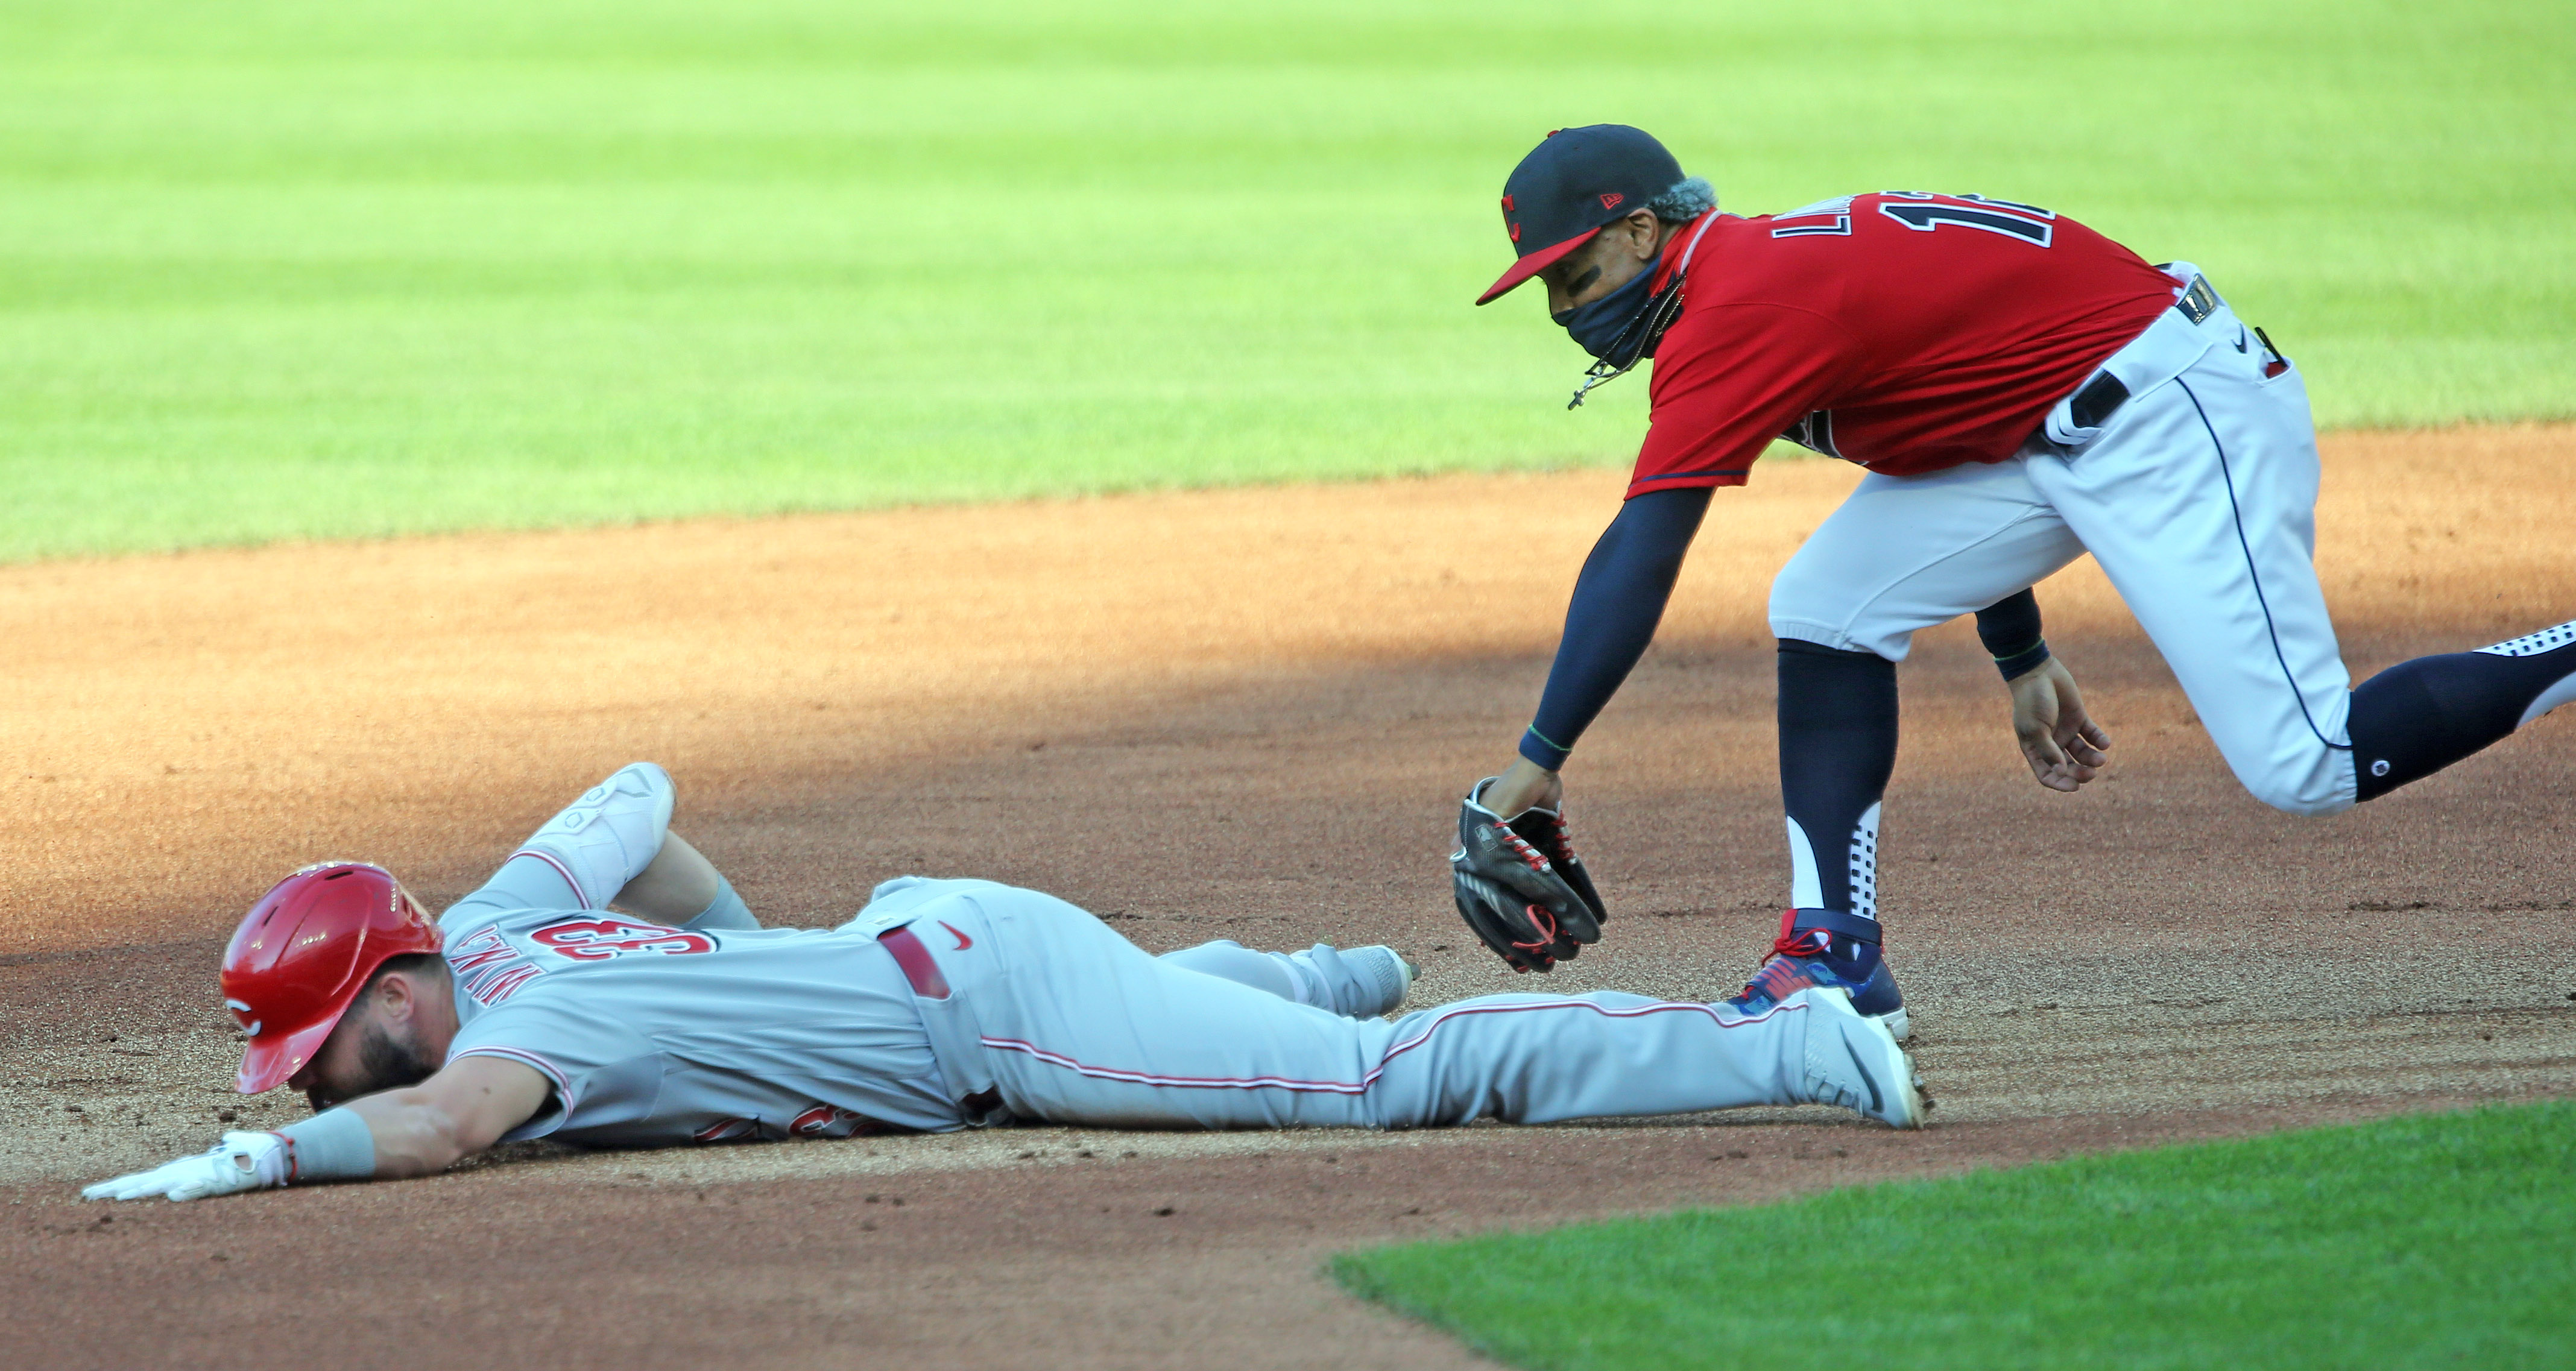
(1572, 184)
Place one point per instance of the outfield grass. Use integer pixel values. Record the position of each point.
(283, 268)
(2439, 1240)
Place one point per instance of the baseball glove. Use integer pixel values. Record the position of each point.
(1520, 887)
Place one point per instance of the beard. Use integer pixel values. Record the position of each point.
(386, 1062)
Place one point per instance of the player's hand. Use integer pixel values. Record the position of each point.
(1524, 785)
(2063, 745)
(242, 1161)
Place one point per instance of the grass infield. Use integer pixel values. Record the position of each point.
(2435, 1240)
(294, 268)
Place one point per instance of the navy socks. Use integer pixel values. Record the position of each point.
(2418, 717)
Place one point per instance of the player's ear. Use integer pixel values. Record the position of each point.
(397, 995)
(1644, 234)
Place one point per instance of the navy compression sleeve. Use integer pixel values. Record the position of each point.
(1618, 600)
(2010, 630)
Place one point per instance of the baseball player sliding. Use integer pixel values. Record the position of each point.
(2023, 391)
(531, 1010)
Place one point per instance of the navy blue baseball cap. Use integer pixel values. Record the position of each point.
(1574, 184)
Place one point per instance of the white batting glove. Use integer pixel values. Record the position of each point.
(242, 1161)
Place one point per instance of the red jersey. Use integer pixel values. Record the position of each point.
(1903, 331)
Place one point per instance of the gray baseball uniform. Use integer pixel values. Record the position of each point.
(1018, 1004)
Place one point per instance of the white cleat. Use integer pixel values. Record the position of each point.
(609, 835)
(1853, 1061)
(1392, 974)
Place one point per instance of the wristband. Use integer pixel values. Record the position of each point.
(2023, 660)
(334, 1145)
(727, 911)
(1542, 751)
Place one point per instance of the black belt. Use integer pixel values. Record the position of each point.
(2102, 396)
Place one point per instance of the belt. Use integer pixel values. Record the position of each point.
(915, 960)
(2102, 396)
(983, 1107)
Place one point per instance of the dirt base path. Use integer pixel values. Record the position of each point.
(1232, 714)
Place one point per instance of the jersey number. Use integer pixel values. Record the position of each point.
(1923, 213)
(591, 940)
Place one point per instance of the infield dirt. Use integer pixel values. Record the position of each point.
(1242, 714)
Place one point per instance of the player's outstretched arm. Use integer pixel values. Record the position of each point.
(424, 1129)
(413, 1131)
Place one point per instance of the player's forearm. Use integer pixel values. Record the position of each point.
(1618, 603)
(414, 1134)
(677, 884)
(2010, 629)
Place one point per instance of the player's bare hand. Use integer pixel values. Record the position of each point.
(2063, 745)
(1522, 786)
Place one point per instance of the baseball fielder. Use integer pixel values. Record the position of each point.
(2023, 391)
(532, 1010)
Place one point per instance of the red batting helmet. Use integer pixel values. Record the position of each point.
(301, 955)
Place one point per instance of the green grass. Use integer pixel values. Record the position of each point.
(2438, 1240)
(288, 268)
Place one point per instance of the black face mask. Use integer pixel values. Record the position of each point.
(1600, 326)
(1621, 328)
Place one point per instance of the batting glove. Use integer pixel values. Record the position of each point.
(242, 1161)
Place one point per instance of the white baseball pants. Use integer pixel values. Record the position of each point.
(2198, 499)
(1074, 1024)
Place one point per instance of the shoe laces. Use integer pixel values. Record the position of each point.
(1564, 834)
(1546, 925)
(1780, 977)
(1813, 942)
(1520, 847)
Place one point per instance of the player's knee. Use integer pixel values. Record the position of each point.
(1805, 610)
(2311, 783)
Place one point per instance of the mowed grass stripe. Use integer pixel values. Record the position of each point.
(2437, 1240)
(297, 268)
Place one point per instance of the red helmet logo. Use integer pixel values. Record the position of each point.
(301, 955)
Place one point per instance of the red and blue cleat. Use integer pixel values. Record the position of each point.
(1828, 947)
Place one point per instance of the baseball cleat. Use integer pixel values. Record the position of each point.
(1854, 1062)
(1804, 957)
(1386, 969)
(609, 835)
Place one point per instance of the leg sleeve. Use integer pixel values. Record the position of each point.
(1838, 722)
